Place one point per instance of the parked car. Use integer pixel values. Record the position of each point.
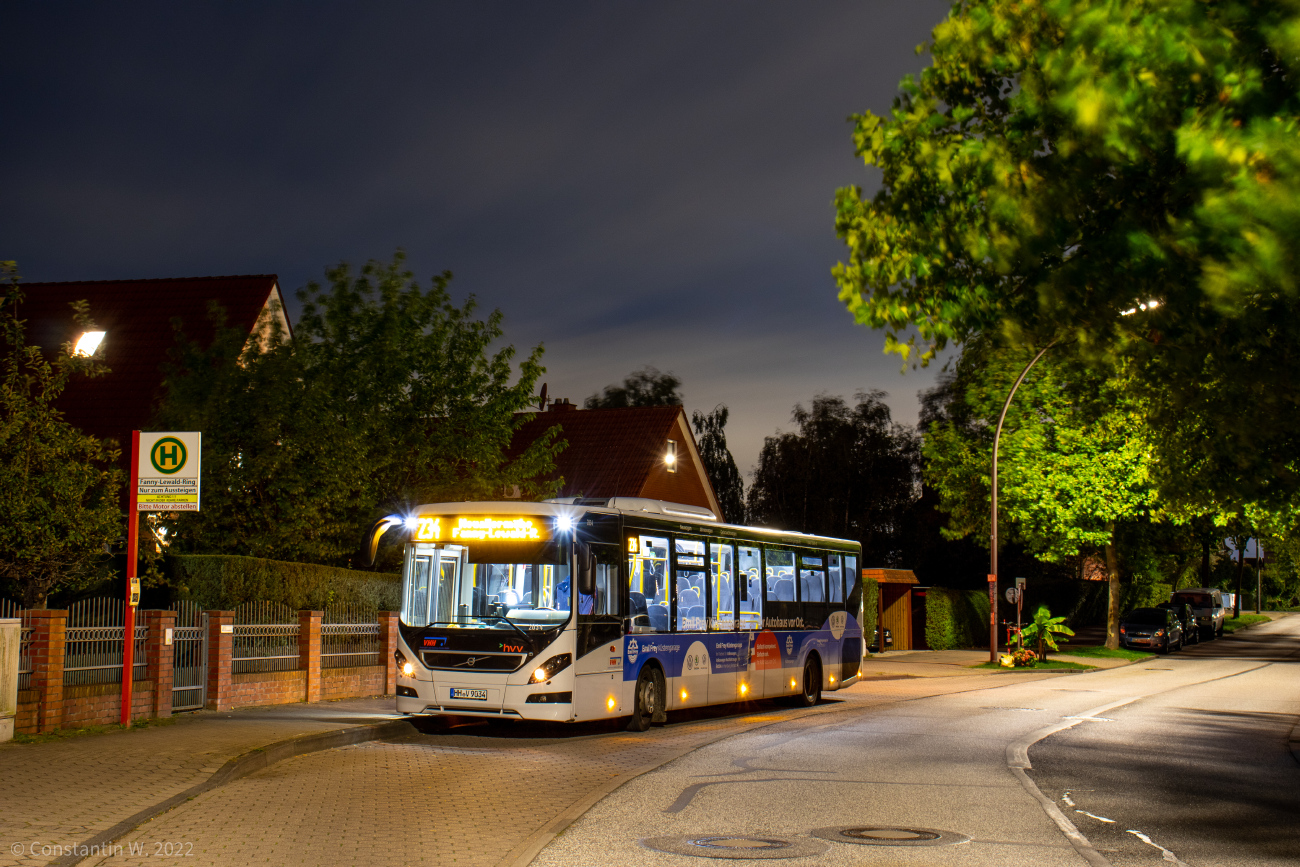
(1155, 629)
(1186, 619)
(875, 640)
(1207, 605)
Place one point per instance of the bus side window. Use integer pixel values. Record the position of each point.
(689, 584)
(647, 588)
(852, 587)
(779, 564)
(750, 583)
(722, 575)
(812, 580)
(836, 579)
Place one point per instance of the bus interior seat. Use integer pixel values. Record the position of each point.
(636, 601)
(658, 617)
(784, 590)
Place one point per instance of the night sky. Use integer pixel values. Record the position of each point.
(630, 183)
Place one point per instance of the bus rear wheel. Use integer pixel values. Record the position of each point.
(812, 683)
(649, 700)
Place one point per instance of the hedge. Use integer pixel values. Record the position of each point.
(222, 582)
(870, 604)
(955, 618)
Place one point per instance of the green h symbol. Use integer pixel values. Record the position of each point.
(169, 455)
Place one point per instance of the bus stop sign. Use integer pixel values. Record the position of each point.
(169, 471)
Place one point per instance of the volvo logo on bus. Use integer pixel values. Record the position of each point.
(632, 650)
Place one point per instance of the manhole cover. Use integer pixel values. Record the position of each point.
(881, 835)
(736, 846)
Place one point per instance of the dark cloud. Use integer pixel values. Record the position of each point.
(630, 183)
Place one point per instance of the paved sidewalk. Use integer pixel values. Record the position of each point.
(63, 793)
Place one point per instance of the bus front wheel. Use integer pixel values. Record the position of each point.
(649, 700)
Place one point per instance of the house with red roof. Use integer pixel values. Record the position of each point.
(135, 317)
(644, 451)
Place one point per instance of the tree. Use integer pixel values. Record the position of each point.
(59, 511)
(387, 397)
(1062, 163)
(645, 387)
(848, 472)
(1043, 629)
(1074, 465)
(711, 436)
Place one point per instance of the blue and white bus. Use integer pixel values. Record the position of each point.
(584, 609)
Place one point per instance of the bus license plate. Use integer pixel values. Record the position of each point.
(471, 694)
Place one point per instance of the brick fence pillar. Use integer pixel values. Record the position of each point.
(160, 657)
(221, 644)
(309, 652)
(48, 643)
(388, 636)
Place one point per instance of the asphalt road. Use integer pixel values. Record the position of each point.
(1191, 752)
(944, 756)
(1205, 769)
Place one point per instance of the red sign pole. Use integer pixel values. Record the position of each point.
(132, 555)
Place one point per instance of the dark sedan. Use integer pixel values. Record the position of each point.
(1155, 629)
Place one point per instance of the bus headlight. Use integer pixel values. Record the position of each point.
(551, 667)
(404, 666)
(408, 670)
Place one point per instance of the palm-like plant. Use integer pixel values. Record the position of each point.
(1044, 628)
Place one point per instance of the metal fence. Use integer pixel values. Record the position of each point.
(10, 608)
(266, 638)
(349, 636)
(93, 652)
(189, 657)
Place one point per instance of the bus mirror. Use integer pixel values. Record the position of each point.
(586, 570)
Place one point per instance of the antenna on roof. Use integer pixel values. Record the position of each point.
(541, 400)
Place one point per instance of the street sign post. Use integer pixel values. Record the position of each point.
(164, 478)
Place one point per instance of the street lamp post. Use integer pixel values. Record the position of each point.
(993, 527)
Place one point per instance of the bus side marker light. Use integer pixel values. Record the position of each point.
(744, 688)
(832, 678)
(683, 695)
(792, 683)
(610, 704)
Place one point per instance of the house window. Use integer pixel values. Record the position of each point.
(670, 456)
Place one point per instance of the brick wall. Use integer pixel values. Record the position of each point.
(266, 687)
(349, 682)
(49, 705)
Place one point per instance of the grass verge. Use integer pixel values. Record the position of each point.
(1100, 651)
(64, 734)
(1050, 665)
(1235, 624)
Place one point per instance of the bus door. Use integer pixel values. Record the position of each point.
(598, 598)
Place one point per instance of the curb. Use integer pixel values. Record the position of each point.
(250, 762)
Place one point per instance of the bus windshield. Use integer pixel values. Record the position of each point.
(442, 586)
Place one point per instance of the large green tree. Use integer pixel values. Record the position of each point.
(1074, 462)
(1060, 164)
(389, 395)
(59, 503)
(848, 471)
(728, 486)
(644, 387)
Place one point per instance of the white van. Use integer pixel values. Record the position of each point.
(1207, 607)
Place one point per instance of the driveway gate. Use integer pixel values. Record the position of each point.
(189, 657)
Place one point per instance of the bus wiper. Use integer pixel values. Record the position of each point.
(516, 628)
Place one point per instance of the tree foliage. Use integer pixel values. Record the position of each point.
(728, 486)
(645, 387)
(59, 508)
(389, 395)
(848, 472)
(1060, 164)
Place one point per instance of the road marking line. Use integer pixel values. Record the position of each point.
(1069, 802)
(1094, 816)
(1169, 856)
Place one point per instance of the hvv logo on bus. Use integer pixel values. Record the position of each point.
(632, 651)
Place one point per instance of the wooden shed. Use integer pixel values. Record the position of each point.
(894, 604)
